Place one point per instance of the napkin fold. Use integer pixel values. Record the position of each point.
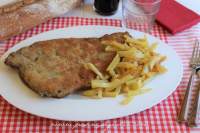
(175, 17)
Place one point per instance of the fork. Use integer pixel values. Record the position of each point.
(194, 64)
(193, 115)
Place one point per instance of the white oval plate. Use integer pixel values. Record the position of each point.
(78, 108)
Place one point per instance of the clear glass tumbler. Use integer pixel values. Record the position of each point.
(140, 14)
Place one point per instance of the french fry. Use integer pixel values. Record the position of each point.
(89, 93)
(110, 48)
(138, 92)
(154, 61)
(135, 85)
(99, 92)
(100, 84)
(116, 45)
(109, 94)
(118, 90)
(127, 100)
(131, 53)
(160, 69)
(153, 46)
(113, 64)
(140, 42)
(134, 64)
(114, 84)
(126, 65)
(125, 88)
(95, 70)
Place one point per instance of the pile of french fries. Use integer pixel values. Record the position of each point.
(134, 64)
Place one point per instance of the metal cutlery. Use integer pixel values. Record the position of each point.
(192, 119)
(195, 65)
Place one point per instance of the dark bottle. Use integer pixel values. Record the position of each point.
(106, 7)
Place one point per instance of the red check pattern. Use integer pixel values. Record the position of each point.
(160, 118)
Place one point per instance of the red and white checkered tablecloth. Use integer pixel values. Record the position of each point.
(160, 118)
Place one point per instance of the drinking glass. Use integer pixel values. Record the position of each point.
(140, 14)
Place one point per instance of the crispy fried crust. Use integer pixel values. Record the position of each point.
(55, 68)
